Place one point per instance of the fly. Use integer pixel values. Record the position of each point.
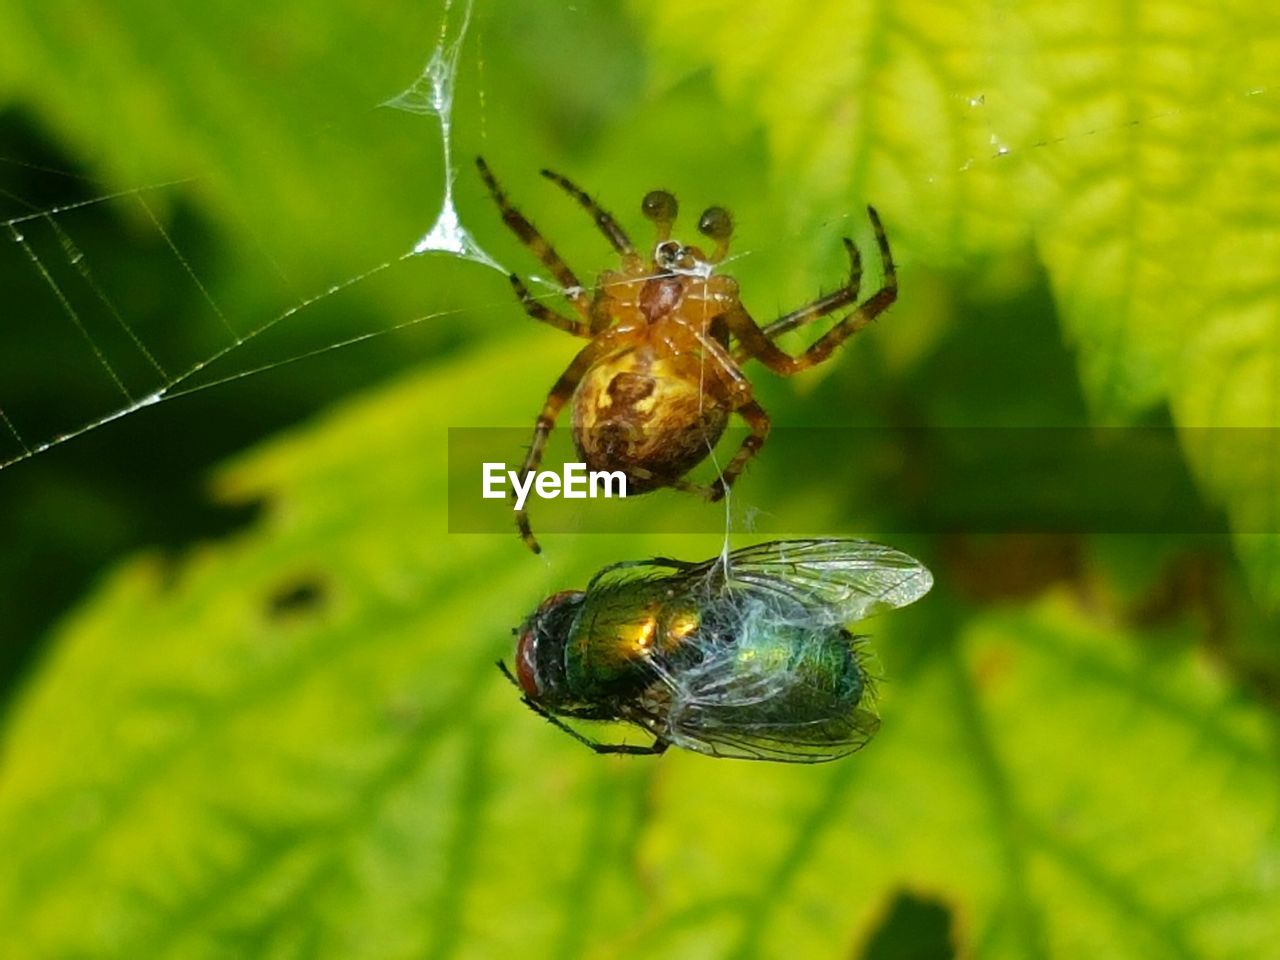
(746, 655)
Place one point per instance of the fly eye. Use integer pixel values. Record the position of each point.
(527, 664)
(554, 602)
(659, 206)
(716, 223)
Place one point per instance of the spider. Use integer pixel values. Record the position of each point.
(653, 388)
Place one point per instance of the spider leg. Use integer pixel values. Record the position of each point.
(604, 220)
(675, 483)
(743, 403)
(540, 311)
(560, 395)
(823, 305)
(756, 342)
(532, 239)
(758, 422)
(714, 491)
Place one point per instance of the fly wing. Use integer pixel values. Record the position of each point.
(749, 694)
(718, 732)
(836, 581)
(630, 571)
(807, 742)
(760, 702)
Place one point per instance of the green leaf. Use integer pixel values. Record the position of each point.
(295, 743)
(1060, 791)
(1134, 144)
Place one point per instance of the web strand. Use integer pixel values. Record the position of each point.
(433, 93)
(76, 257)
(16, 435)
(70, 311)
(186, 266)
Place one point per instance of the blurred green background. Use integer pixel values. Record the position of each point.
(249, 704)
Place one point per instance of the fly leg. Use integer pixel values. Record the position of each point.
(657, 748)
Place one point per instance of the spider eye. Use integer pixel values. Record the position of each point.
(716, 223)
(667, 254)
(659, 206)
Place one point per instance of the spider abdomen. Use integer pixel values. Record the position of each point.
(647, 414)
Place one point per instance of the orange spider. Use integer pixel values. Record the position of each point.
(653, 388)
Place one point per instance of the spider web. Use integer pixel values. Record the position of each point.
(61, 264)
(103, 341)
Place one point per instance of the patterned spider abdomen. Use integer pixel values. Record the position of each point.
(648, 415)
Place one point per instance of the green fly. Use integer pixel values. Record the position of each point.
(745, 655)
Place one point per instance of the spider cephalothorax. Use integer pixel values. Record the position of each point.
(652, 391)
